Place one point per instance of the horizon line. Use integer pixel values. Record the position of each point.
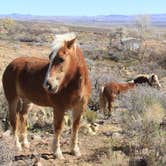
(139, 14)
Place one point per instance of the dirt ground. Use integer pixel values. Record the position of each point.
(96, 149)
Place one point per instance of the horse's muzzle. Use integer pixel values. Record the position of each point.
(49, 88)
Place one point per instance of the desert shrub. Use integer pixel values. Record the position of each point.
(7, 23)
(90, 116)
(142, 23)
(28, 38)
(31, 32)
(145, 110)
(40, 118)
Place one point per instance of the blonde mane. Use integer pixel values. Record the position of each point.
(59, 42)
(60, 39)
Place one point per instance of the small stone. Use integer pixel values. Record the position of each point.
(116, 135)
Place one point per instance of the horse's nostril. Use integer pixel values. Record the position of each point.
(48, 85)
(50, 88)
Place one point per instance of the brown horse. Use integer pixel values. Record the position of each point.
(109, 91)
(62, 82)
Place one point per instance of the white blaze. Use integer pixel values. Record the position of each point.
(58, 42)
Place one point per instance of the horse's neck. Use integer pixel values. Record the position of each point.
(131, 84)
(126, 86)
(78, 72)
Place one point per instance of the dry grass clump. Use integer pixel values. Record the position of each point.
(90, 116)
(154, 113)
(145, 110)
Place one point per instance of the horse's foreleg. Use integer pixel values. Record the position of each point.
(102, 102)
(77, 113)
(58, 125)
(110, 107)
(23, 114)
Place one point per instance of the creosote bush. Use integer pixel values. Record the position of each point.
(145, 110)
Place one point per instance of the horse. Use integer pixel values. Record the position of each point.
(109, 91)
(60, 81)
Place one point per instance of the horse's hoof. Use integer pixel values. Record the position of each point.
(59, 156)
(26, 145)
(19, 147)
(76, 153)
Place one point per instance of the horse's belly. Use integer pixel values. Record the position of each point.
(33, 95)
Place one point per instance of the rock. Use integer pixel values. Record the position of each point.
(7, 133)
(100, 122)
(138, 161)
(36, 137)
(94, 127)
(117, 135)
(108, 134)
(19, 163)
(40, 162)
(89, 128)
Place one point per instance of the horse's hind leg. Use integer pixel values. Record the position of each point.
(23, 114)
(14, 120)
(110, 106)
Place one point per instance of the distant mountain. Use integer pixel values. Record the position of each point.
(155, 19)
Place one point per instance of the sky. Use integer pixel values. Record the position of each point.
(82, 7)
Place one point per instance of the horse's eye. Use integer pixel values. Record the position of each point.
(58, 60)
(51, 54)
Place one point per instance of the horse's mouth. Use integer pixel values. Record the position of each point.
(55, 91)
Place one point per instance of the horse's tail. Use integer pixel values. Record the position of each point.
(102, 100)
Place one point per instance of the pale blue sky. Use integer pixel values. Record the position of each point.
(82, 7)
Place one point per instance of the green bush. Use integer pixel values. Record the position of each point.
(90, 116)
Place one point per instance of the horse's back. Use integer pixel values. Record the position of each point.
(16, 69)
(116, 88)
(31, 62)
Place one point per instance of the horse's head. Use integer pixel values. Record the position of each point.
(60, 62)
(154, 81)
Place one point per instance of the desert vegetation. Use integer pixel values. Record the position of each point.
(143, 118)
(135, 134)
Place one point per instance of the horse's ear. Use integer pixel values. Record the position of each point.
(70, 43)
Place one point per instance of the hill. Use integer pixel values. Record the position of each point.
(155, 19)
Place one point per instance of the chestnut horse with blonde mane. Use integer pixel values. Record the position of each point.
(110, 90)
(61, 82)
